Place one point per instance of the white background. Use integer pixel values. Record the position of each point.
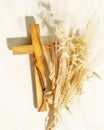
(17, 110)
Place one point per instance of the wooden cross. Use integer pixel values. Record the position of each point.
(37, 51)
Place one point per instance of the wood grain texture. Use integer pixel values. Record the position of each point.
(22, 50)
(38, 67)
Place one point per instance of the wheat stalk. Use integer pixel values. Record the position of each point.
(68, 69)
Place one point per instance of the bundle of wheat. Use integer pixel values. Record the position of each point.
(69, 62)
(68, 69)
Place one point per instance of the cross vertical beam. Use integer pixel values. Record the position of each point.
(38, 67)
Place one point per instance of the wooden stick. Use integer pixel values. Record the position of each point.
(39, 67)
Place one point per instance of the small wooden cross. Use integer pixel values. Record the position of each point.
(37, 51)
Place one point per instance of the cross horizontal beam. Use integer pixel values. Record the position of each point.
(28, 49)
